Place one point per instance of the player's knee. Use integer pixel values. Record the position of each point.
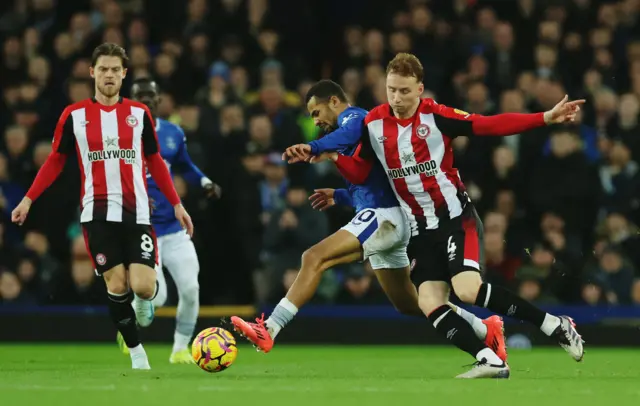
(466, 286)
(190, 294)
(145, 293)
(144, 288)
(432, 295)
(116, 281)
(117, 287)
(467, 293)
(312, 260)
(142, 279)
(429, 304)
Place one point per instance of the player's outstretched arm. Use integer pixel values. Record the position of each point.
(63, 145)
(344, 137)
(354, 168)
(455, 122)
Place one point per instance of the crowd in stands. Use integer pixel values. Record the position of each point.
(560, 205)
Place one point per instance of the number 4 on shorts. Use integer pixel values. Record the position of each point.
(451, 248)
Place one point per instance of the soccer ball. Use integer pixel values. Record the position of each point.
(214, 349)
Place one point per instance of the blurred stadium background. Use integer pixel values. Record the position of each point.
(560, 206)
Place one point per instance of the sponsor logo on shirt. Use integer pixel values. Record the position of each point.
(429, 168)
(127, 155)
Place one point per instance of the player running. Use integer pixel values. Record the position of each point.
(175, 249)
(115, 141)
(411, 138)
(378, 233)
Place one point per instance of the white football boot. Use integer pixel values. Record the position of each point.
(483, 369)
(569, 339)
(139, 358)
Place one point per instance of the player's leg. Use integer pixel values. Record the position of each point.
(371, 230)
(159, 301)
(397, 285)
(318, 259)
(161, 295)
(465, 259)
(395, 280)
(431, 275)
(390, 262)
(142, 257)
(102, 240)
(181, 260)
(491, 330)
(340, 247)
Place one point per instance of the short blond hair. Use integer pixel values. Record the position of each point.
(407, 65)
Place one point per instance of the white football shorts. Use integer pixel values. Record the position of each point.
(384, 235)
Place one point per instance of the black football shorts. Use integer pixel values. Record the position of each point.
(456, 246)
(111, 244)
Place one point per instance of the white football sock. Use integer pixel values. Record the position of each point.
(490, 356)
(549, 324)
(284, 312)
(478, 326)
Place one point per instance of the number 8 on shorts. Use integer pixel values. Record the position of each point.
(147, 244)
(143, 247)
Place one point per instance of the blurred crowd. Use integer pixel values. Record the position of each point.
(560, 205)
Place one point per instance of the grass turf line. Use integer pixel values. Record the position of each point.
(68, 375)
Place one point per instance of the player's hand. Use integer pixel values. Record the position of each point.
(19, 214)
(212, 191)
(565, 111)
(184, 218)
(322, 199)
(325, 156)
(297, 153)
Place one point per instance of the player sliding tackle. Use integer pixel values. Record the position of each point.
(411, 138)
(379, 233)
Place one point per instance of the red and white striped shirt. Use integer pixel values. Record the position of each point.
(417, 155)
(114, 145)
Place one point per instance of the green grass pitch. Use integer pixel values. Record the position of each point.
(95, 375)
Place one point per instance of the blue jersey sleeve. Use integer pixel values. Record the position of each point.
(191, 173)
(344, 137)
(342, 197)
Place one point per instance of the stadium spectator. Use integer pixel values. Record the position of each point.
(561, 210)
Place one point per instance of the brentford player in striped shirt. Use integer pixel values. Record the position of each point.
(411, 139)
(115, 143)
